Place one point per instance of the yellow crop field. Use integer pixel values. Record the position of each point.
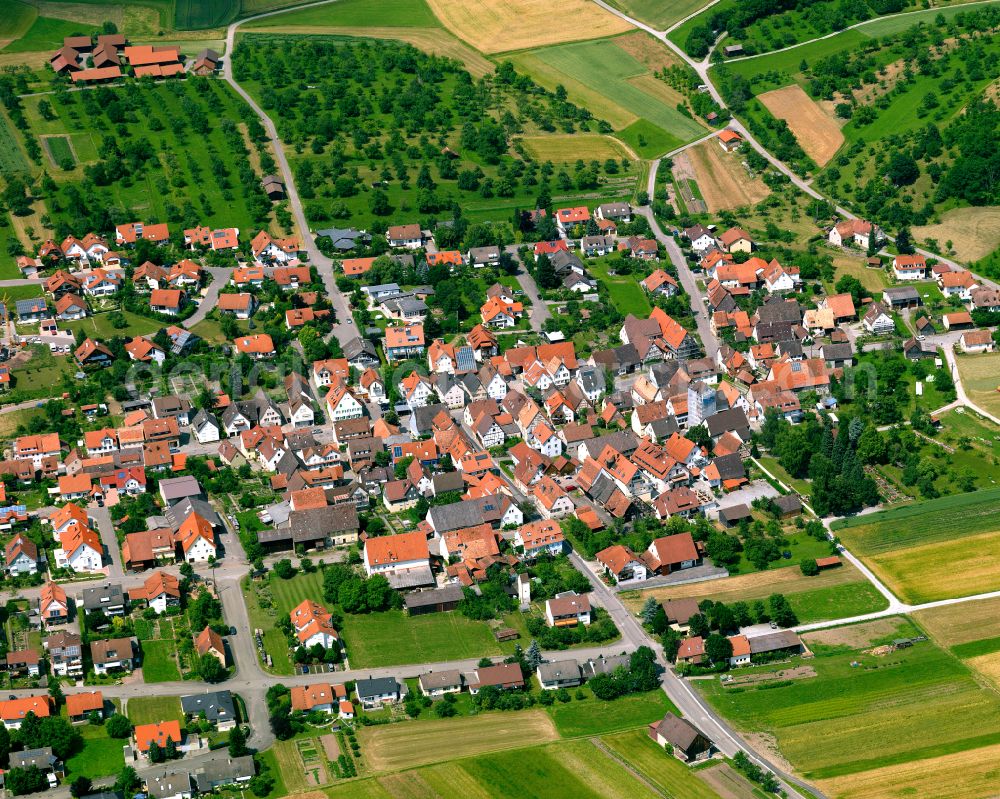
(973, 232)
(959, 624)
(916, 574)
(567, 148)
(988, 666)
(400, 746)
(817, 132)
(981, 378)
(722, 178)
(496, 26)
(972, 774)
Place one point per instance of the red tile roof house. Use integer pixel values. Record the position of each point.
(132, 232)
(258, 347)
(146, 734)
(672, 553)
(505, 676)
(691, 650)
(241, 306)
(166, 301)
(270, 250)
(567, 218)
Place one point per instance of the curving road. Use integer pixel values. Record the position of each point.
(344, 329)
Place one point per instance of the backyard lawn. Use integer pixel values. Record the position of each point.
(159, 662)
(153, 709)
(596, 717)
(626, 293)
(99, 326)
(101, 756)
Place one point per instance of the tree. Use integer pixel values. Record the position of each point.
(284, 569)
(781, 612)
(718, 648)
(210, 669)
(237, 742)
(808, 567)
(533, 655)
(156, 753)
(650, 609)
(56, 692)
(80, 786)
(127, 782)
(170, 752)
(118, 726)
(20, 781)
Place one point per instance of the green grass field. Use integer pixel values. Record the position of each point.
(17, 19)
(909, 704)
(200, 14)
(99, 326)
(626, 293)
(608, 72)
(11, 155)
(158, 661)
(837, 602)
(668, 774)
(153, 709)
(657, 13)
(393, 638)
(45, 33)
(357, 13)
(101, 756)
(60, 151)
(927, 522)
(598, 717)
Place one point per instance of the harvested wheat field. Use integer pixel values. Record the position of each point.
(400, 746)
(988, 666)
(756, 585)
(950, 625)
(973, 232)
(650, 52)
(723, 180)
(972, 774)
(430, 40)
(915, 575)
(818, 133)
(566, 148)
(496, 26)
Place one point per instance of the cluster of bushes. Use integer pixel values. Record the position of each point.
(600, 629)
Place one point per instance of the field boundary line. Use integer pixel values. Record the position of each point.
(597, 742)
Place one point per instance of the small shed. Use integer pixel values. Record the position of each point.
(733, 515)
(437, 600)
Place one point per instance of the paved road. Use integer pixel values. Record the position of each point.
(680, 692)
(344, 329)
(702, 69)
(219, 276)
(687, 279)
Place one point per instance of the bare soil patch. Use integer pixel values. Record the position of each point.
(331, 746)
(724, 181)
(797, 673)
(818, 133)
(854, 636)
